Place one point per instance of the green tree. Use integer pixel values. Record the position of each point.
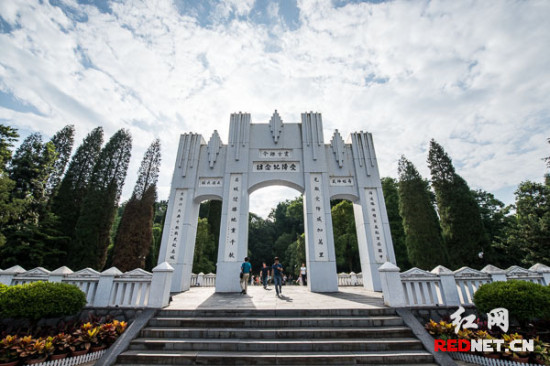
(261, 237)
(204, 245)
(390, 186)
(30, 169)
(295, 255)
(158, 224)
(63, 142)
(422, 232)
(9, 209)
(345, 237)
(135, 233)
(67, 203)
(99, 207)
(497, 222)
(463, 232)
(528, 241)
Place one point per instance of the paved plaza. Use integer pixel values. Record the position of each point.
(293, 297)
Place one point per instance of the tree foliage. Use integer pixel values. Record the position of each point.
(135, 232)
(420, 220)
(100, 203)
(390, 187)
(463, 232)
(345, 237)
(63, 142)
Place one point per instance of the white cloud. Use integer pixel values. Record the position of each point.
(473, 75)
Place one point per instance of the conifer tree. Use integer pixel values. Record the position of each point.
(423, 235)
(391, 198)
(30, 169)
(135, 232)
(92, 234)
(63, 142)
(463, 232)
(67, 203)
(8, 208)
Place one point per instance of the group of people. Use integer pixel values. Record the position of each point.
(276, 271)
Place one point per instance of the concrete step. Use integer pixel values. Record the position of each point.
(279, 333)
(277, 345)
(275, 322)
(271, 358)
(296, 313)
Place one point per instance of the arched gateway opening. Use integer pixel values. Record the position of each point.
(261, 155)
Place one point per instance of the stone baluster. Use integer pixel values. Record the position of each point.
(392, 287)
(159, 295)
(448, 285)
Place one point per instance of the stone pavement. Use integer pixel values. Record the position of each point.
(293, 297)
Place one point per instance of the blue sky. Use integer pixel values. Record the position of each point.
(471, 74)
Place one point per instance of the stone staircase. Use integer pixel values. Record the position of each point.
(276, 337)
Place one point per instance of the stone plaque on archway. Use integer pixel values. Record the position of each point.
(276, 153)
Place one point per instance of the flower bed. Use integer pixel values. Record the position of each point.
(82, 339)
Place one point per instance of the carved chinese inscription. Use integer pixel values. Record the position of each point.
(276, 166)
(178, 210)
(318, 216)
(341, 181)
(275, 153)
(377, 230)
(210, 182)
(233, 206)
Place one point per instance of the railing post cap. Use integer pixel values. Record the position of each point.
(492, 269)
(163, 267)
(441, 270)
(540, 268)
(64, 270)
(14, 270)
(388, 267)
(113, 271)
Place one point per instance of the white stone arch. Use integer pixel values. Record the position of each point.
(262, 155)
(276, 182)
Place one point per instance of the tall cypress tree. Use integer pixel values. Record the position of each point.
(67, 202)
(135, 232)
(63, 142)
(423, 234)
(30, 169)
(93, 227)
(461, 224)
(391, 198)
(8, 208)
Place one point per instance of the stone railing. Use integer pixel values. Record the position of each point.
(443, 287)
(350, 279)
(203, 280)
(209, 280)
(110, 288)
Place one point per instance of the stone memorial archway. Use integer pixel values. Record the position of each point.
(276, 153)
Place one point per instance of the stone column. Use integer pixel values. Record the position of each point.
(159, 295)
(104, 287)
(496, 273)
(392, 288)
(320, 254)
(6, 276)
(233, 242)
(448, 285)
(59, 274)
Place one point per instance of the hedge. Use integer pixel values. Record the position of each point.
(525, 301)
(41, 300)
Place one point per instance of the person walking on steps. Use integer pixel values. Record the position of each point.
(264, 274)
(246, 269)
(277, 274)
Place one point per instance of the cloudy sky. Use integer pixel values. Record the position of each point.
(474, 75)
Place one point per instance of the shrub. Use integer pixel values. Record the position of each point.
(524, 300)
(41, 300)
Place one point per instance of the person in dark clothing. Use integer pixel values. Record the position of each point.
(264, 273)
(277, 269)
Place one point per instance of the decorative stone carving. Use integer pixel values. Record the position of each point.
(276, 126)
(213, 148)
(417, 273)
(137, 273)
(469, 273)
(86, 272)
(337, 145)
(36, 272)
